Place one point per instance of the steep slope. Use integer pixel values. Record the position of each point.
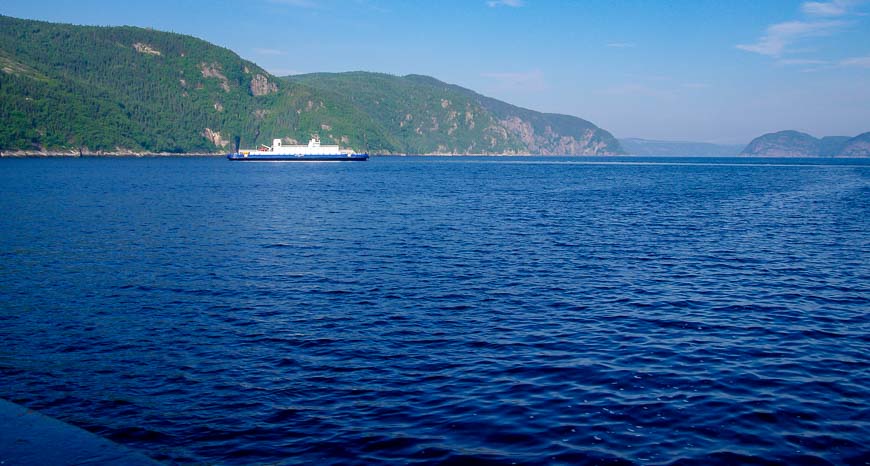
(783, 144)
(423, 120)
(831, 146)
(72, 89)
(112, 88)
(431, 116)
(542, 133)
(636, 146)
(117, 89)
(859, 146)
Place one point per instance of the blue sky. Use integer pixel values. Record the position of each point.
(720, 71)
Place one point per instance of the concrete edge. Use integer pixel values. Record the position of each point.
(31, 438)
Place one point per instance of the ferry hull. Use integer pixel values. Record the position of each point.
(298, 158)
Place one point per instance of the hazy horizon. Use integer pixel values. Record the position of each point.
(682, 71)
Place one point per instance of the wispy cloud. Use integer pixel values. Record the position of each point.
(821, 18)
(622, 45)
(530, 81)
(510, 3)
(818, 65)
(832, 8)
(779, 37)
(861, 62)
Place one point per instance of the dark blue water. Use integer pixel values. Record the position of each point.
(445, 311)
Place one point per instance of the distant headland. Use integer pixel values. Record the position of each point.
(797, 144)
(780, 144)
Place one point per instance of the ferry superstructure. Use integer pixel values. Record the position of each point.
(314, 151)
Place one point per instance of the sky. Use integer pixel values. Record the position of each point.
(722, 71)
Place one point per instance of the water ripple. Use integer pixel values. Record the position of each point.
(444, 311)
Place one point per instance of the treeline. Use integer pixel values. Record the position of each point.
(109, 88)
(70, 88)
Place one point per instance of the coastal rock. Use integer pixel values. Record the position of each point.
(521, 129)
(549, 142)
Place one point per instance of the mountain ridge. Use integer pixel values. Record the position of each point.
(652, 147)
(128, 90)
(791, 143)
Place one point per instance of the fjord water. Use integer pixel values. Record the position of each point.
(443, 310)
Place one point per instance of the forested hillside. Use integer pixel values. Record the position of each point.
(430, 116)
(67, 88)
(126, 88)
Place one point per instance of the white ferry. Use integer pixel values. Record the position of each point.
(314, 151)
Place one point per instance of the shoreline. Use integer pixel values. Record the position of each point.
(128, 154)
(75, 155)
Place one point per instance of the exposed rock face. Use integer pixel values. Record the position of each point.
(260, 85)
(783, 144)
(215, 137)
(859, 146)
(145, 48)
(549, 142)
(10, 66)
(213, 70)
(521, 129)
